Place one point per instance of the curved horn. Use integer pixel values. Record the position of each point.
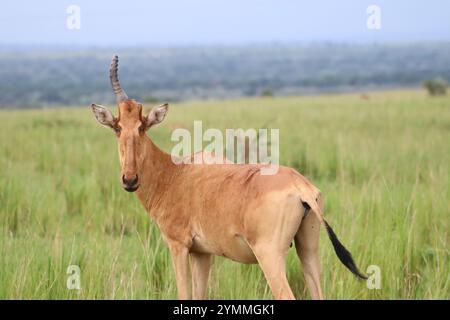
(118, 91)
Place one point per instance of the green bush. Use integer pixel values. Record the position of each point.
(436, 87)
(267, 93)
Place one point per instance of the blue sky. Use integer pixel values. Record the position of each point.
(229, 22)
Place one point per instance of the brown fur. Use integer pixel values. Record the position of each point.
(227, 210)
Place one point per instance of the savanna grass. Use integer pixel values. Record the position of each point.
(383, 165)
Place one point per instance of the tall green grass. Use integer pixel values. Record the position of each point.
(383, 165)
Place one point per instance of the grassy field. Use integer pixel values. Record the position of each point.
(383, 165)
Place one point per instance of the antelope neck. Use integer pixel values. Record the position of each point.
(155, 174)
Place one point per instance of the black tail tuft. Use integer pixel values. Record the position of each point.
(343, 254)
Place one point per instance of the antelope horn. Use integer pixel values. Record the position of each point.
(118, 91)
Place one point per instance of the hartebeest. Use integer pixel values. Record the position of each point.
(226, 210)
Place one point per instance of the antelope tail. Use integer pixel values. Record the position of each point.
(343, 254)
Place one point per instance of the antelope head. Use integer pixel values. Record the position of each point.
(130, 127)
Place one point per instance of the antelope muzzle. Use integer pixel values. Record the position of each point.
(130, 184)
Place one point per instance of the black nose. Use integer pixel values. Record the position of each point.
(130, 184)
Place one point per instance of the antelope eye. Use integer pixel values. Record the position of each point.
(117, 129)
(142, 128)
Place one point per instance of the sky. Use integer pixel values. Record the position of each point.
(220, 22)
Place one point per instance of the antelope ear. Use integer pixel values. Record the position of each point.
(103, 116)
(156, 116)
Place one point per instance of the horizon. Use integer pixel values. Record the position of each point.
(287, 45)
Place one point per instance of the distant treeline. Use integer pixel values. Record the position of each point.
(44, 77)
